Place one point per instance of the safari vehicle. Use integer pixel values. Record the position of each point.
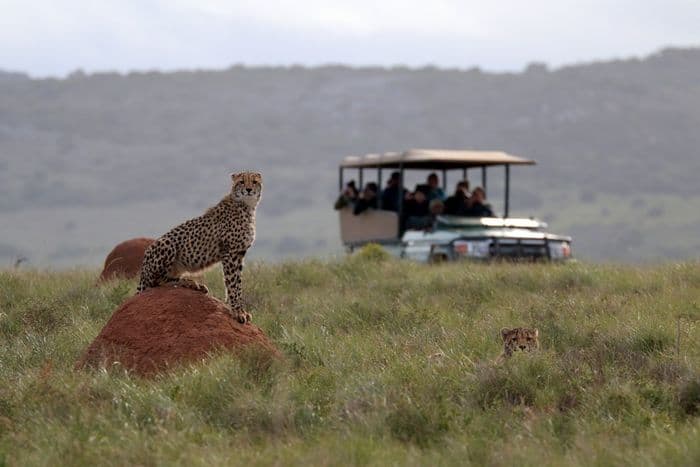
(451, 237)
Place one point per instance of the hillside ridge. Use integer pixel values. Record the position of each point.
(98, 158)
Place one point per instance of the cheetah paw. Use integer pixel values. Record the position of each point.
(242, 317)
(202, 288)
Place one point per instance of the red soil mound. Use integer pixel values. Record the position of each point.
(125, 259)
(166, 326)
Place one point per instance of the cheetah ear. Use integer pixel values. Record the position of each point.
(537, 332)
(504, 333)
(234, 176)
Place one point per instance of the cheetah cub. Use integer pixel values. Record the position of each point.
(523, 339)
(222, 234)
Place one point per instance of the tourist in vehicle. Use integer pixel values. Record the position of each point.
(416, 209)
(347, 197)
(390, 195)
(456, 205)
(435, 191)
(436, 208)
(477, 206)
(367, 199)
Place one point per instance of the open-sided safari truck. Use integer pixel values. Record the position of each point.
(451, 237)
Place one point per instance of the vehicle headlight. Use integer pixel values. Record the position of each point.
(559, 250)
(472, 248)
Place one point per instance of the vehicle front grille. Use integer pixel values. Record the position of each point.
(518, 248)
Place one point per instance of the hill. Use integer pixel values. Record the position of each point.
(91, 160)
(386, 363)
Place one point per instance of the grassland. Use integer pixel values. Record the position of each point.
(386, 363)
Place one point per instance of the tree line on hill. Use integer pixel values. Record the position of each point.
(605, 134)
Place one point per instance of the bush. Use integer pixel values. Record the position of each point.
(373, 252)
(689, 397)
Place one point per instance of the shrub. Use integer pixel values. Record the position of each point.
(373, 252)
(689, 396)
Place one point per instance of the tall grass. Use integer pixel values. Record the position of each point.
(387, 362)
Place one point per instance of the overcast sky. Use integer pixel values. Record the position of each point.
(54, 37)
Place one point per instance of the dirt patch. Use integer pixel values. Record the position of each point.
(167, 326)
(124, 261)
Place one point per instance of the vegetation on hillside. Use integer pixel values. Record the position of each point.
(97, 159)
(387, 362)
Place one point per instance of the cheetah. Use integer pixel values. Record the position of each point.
(523, 339)
(224, 233)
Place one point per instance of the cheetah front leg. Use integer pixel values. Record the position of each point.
(233, 268)
(154, 269)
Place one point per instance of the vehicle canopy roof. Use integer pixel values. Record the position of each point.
(434, 159)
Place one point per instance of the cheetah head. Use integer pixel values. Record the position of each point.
(247, 187)
(523, 339)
